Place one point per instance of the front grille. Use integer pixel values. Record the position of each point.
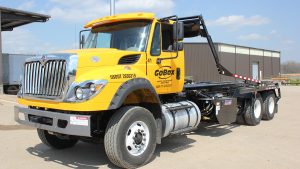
(46, 80)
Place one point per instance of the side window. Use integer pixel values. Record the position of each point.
(167, 37)
(156, 42)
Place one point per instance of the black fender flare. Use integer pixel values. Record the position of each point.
(128, 87)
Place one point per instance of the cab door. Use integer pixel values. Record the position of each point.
(162, 73)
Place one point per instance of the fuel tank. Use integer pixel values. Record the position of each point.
(180, 117)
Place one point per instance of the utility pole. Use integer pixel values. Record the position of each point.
(1, 59)
(112, 7)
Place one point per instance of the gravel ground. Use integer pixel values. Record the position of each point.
(273, 144)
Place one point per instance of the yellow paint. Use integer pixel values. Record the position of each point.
(118, 18)
(100, 102)
(176, 85)
(107, 66)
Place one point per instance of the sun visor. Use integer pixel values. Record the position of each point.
(121, 17)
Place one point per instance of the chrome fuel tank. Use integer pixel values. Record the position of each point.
(180, 117)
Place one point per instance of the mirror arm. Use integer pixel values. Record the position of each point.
(80, 38)
(176, 28)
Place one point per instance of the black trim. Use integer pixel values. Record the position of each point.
(128, 87)
(178, 73)
(129, 59)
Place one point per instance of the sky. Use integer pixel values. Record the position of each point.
(272, 24)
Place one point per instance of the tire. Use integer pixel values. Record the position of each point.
(13, 90)
(253, 111)
(269, 105)
(124, 130)
(54, 141)
(240, 117)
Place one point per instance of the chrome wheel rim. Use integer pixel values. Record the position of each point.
(271, 105)
(257, 108)
(137, 138)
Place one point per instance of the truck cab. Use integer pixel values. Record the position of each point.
(118, 48)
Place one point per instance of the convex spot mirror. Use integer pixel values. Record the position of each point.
(179, 45)
(180, 31)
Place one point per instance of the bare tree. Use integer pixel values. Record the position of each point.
(290, 67)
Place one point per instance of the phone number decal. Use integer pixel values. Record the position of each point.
(124, 76)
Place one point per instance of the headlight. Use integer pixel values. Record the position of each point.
(93, 87)
(79, 93)
(85, 90)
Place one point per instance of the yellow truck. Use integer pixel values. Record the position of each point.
(126, 85)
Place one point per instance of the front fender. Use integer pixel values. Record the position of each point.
(113, 74)
(101, 101)
(128, 87)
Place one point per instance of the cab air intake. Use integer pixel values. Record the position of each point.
(129, 59)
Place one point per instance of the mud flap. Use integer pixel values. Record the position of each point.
(226, 110)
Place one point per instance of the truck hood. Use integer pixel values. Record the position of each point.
(99, 57)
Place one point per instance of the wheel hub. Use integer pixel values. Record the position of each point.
(271, 105)
(137, 138)
(257, 108)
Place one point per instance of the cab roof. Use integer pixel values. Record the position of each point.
(120, 17)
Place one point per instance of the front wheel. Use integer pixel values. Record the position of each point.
(130, 137)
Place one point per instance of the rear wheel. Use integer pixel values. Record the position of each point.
(55, 141)
(130, 137)
(240, 117)
(253, 111)
(269, 105)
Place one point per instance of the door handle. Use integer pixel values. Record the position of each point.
(178, 73)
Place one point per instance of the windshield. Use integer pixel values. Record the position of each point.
(129, 35)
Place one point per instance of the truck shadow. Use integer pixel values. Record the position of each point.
(181, 142)
(91, 156)
(214, 130)
(82, 155)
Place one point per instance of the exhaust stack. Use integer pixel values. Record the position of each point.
(112, 7)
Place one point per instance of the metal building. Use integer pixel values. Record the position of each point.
(256, 63)
(11, 18)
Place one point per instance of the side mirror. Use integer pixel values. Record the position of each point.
(178, 45)
(82, 41)
(180, 31)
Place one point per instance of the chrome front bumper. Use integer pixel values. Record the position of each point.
(69, 124)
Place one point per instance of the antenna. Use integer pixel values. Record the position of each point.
(112, 7)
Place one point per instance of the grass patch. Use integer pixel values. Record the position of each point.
(293, 82)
